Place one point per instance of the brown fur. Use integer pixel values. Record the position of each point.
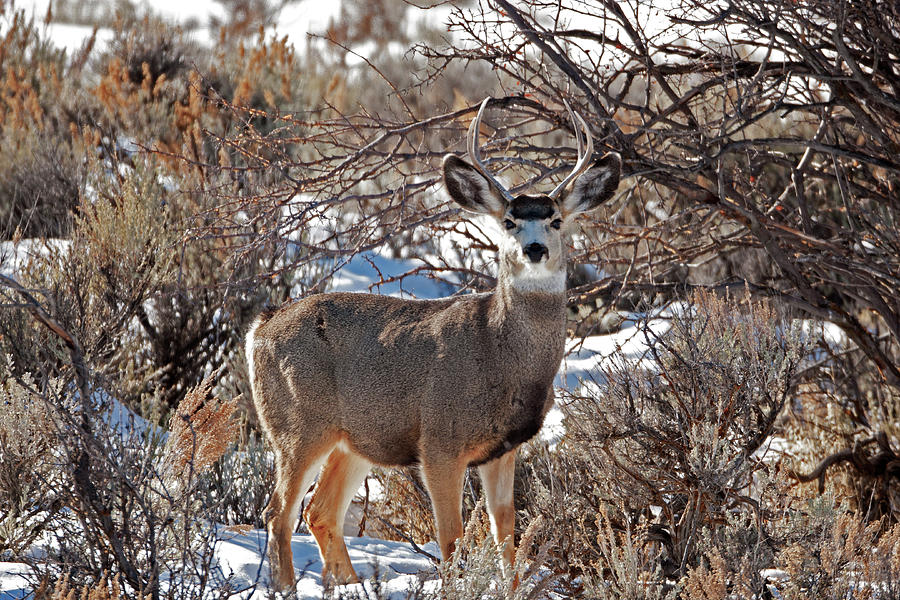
(351, 379)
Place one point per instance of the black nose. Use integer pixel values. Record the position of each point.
(536, 251)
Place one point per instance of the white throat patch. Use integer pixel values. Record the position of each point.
(536, 277)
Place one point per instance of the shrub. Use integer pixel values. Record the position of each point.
(474, 570)
(403, 508)
(149, 49)
(26, 509)
(125, 500)
(238, 485)
(659, 452)
(41, 182)
(106, 500)
(848, 421)
(833, 553)
(41, 174)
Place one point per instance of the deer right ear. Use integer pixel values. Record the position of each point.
(595, 186)
(468, 188)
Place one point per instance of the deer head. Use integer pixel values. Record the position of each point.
(532, 246)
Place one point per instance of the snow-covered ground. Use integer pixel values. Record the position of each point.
(363, 271)
(15, 256)
(13, 584)
(398, 566)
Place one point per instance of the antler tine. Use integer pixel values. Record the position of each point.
(585, 151)
(475, 155)
(575, 128)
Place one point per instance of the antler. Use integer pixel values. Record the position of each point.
(584, 153)
(472, 144)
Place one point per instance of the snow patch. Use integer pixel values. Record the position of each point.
(13, 581)
(362, 272)
(16, 255)
(395, 563)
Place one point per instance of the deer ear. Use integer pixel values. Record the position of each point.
(595, 186)
(468, 188)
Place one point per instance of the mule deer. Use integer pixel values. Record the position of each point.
(352, 380)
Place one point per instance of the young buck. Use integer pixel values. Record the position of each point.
(352, 380)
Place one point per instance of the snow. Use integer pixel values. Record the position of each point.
(584, 356)
(365, 269)
(13, 584)
(125, 421)
(239, 558)
(301, 18)
(14, 256)
(396, 563)
(73, 37)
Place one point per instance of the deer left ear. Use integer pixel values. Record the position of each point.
(595, 186)
(469, 188)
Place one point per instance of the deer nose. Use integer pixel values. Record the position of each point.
(536, 251)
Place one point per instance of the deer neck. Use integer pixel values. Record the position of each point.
(531, 308)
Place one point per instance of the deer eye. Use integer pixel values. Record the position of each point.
(556, 223)
(509, 224)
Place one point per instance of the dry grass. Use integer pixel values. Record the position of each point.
(403, 511)
(707, 581)
(200, 431)
(107, 588)
(26, 443)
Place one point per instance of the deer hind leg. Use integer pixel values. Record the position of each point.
(343, 474)
(444, 480)
(497, 479)
(294, 473)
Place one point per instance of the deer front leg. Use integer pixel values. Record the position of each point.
(444, 480)
(497, 479)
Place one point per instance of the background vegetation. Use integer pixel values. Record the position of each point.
(156, 194)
